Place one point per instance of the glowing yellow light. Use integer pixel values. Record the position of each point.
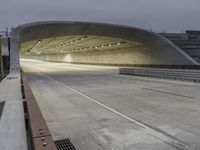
(67, 58)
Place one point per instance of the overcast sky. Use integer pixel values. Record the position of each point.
(160, 15)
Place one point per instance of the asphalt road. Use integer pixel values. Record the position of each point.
(99, 109)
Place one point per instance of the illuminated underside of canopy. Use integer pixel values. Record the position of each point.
(95, 43)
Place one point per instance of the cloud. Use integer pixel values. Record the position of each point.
(157, 14)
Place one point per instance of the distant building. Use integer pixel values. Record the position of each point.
(188, 41)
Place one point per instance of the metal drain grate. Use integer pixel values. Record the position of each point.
(1, 108)
(64, 144)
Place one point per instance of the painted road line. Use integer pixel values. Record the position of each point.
(157, 133)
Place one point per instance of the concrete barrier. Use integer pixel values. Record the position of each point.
(178, 74)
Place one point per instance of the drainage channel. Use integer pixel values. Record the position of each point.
(38, 134)
(64, 144)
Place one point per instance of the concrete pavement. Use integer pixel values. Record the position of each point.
(99, 109)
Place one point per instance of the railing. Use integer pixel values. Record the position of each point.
(180, 74)
(38, 134)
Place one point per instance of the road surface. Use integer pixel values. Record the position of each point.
(99, 109)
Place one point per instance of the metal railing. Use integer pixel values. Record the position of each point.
(179, 74)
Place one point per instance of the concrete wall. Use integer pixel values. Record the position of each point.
(12, 123)
(156, 50)
(116, 57)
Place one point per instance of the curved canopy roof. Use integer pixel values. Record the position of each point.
(83, 42)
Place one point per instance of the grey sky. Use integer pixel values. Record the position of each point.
(171, 15)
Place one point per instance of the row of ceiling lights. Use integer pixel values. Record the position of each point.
(67, 43)
(34, 48)
(86, 48)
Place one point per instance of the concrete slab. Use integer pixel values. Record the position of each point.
(12, 122)
(12, 129)
(165, 106)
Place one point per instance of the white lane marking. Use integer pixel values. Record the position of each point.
(161, 135)
(165, 137)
